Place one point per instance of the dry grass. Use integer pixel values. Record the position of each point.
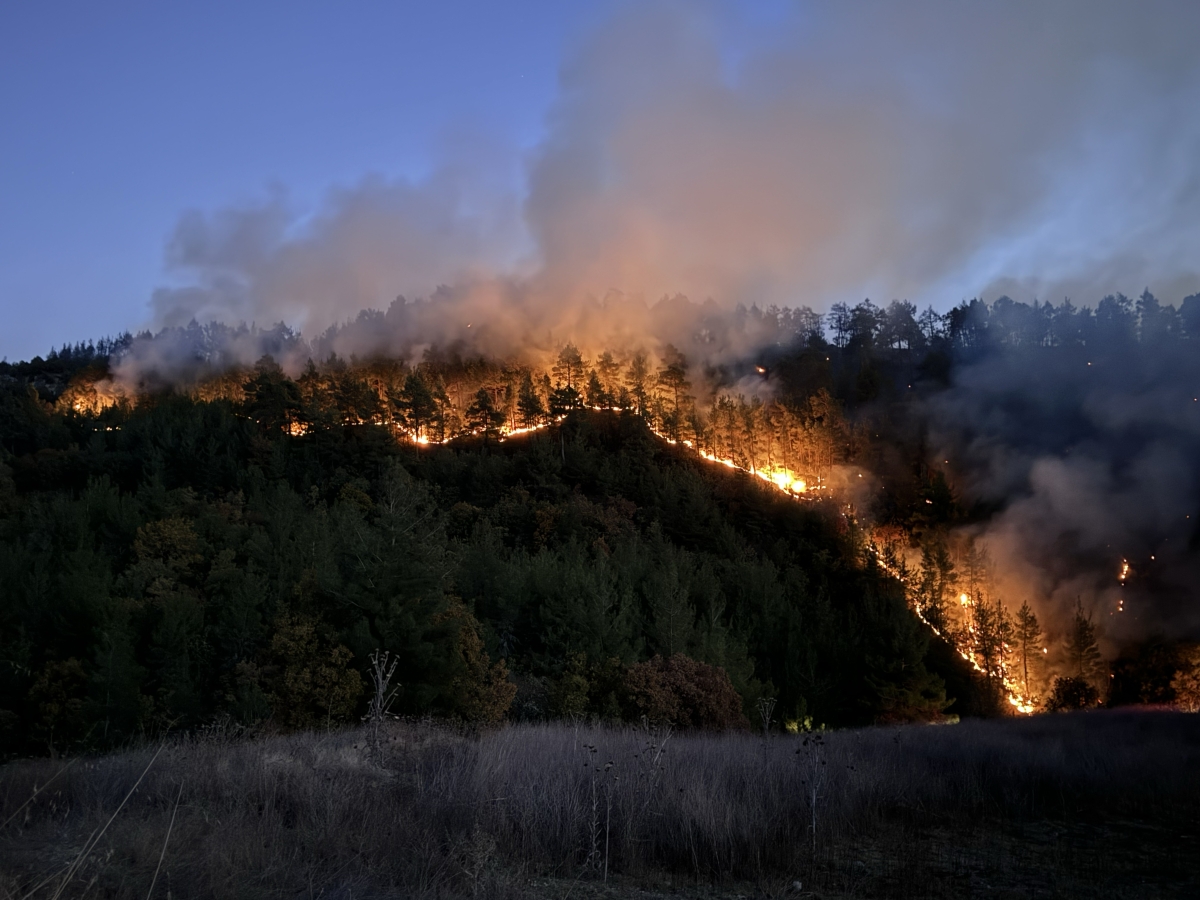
(1097, 804)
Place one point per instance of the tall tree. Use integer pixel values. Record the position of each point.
(1027, 634)
(1083, 653)
(596, 393)
(637, 379)
(672, 378)
(568, 368)
(415, 404)
(482, 414)
(529, 403)
(609, 372)
(272, 399)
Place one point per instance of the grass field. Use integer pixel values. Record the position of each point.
(1084, 805)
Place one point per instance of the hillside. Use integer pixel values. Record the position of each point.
(174, 562)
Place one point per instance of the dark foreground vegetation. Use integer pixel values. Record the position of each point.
(1089, 804)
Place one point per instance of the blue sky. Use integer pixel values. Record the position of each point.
(118, 116)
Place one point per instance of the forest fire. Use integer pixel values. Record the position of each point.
(980, 632)
(791, 434)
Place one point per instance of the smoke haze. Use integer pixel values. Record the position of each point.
(927, 151)
(1090, 458)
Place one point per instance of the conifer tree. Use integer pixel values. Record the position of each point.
(1028, 636)
(529, 404)
(1083, 654)
(415, 404)
(568, 369)
(638, 381)
(609, 372)
(595, 392)
(482, 414)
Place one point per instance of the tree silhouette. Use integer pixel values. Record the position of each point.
(415, 404)
(568, 369)
(482, 414)
(1083, 654)
(1027, 634)
(529, 404)
(272, 399)
(637, 379)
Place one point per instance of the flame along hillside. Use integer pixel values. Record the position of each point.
(805, 450)
(180, 558)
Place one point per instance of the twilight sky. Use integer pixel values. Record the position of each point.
(119, 116)
(299, 161)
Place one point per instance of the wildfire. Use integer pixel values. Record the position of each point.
(1013, 693)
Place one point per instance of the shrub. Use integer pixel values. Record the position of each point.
(1186, 683)
(313, 682)
(481, 691)
(1072, 693)
(684, 692)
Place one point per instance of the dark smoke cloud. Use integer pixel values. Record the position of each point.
(1091, 456)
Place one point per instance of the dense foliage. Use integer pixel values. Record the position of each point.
(237, 547)
(174, 562)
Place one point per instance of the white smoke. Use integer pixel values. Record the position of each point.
(928, 150)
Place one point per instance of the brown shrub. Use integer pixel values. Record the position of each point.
(481, 692)
(684, 692)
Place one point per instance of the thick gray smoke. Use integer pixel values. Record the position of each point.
(1090, 456)
(933, 151)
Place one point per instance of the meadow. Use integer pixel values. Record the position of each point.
(1097, 804)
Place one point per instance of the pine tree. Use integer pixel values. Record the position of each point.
(529, 404)
(568, 369)
(595, 392)
(609, 372)
(638, 382)
(1028, 637)
(1083, 653)
(935, 583)
(482, 414)
(415, 405)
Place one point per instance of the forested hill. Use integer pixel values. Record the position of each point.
(234, 547)
(182, 563)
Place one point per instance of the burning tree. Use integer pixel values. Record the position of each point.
(1027, 637)
(935, 584)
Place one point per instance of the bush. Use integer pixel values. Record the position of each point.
(684, 692)
(1072, 693)
(1186, 683)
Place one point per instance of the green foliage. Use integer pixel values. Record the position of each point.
(184, 559)
(310, 682)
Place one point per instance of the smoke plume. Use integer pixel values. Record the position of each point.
(928, 151)
(1090, 457)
